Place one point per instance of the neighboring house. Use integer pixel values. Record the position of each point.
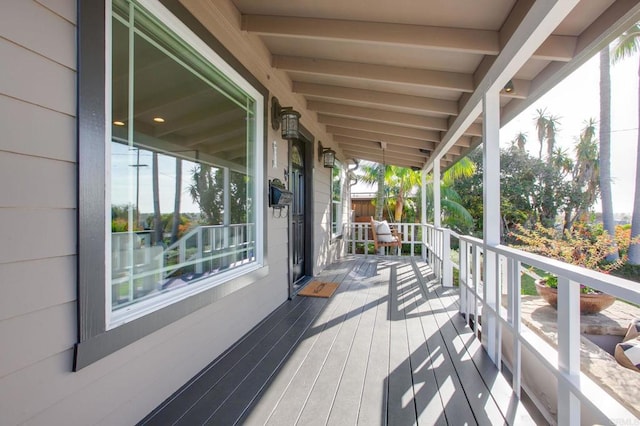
(108, 106)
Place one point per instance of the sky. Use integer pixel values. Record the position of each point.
(575, 100)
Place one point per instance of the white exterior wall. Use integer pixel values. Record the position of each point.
(38, 325)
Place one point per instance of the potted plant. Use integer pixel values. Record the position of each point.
(583, 246)
(591, 301)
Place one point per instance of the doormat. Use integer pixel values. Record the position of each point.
(318, 289)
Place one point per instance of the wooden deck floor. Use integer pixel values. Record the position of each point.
(388, 348)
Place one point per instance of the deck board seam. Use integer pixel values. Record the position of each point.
(428, 349)
(424, 288)
(341, 289)
(284, 309)
(367, 298)
(219, 405)
(349, 314)
(277, 368)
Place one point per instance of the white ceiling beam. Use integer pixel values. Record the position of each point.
(378, 115)
(474, 41)
(539, 21)
(374, 136)
(557, 48)
(359, 144)
(384, 128)
(355, 70)
(416, 104)
(457, 39)
(403, 161)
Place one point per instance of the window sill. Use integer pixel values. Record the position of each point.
(108, 342)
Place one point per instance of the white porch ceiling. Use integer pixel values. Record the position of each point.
(412, 73)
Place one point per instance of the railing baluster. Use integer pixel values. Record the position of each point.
(568, 350)
(514, 290)
(447, 265)
(463, 274)
(476, 283)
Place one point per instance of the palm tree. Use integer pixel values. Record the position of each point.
(157, 218)
(605, 148)
(547, 128)
(375, 173)
(400, 182)
(454, 214)
(541, 128)
(381, 172)
(628, 44)
(175, 226)
(553, 122)
(586, 175)
(520, 140)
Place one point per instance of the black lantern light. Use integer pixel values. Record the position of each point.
(286, 117)
(327, 156)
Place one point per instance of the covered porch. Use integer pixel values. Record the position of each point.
(389, 347)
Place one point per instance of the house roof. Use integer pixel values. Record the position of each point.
(413, 73)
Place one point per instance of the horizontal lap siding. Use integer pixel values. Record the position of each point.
(38, 252)
(37, 205)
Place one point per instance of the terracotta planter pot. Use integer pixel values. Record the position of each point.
(589, 303)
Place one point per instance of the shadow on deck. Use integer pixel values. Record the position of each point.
(388, 348)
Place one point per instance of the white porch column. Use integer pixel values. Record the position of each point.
(437, 213)
(568, 350)
(491, 221)
(423, 188)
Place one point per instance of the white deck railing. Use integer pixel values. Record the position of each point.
(135, 258)
(489, 274)
(358, 237)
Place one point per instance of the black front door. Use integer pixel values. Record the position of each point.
(297, 186)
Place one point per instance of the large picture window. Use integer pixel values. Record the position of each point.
(183, 167)
(182, 158)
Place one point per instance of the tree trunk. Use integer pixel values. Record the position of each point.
(399, 207)
(634, 249)
(605, 148)
(157, 218)
(380, 195)
(175, 227)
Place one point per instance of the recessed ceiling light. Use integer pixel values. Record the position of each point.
(118, 123)
(158, 119)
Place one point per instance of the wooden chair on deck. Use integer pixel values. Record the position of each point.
(382, 238)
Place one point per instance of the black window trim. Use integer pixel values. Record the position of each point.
(94, 341)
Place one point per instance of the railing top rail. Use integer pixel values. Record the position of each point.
(610, 284)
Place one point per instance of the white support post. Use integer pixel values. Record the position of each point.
(464, 277)
(447, 265)
(491, 217)
(514, 277)
(423, 188)
(476, 286)
(437, 213)
(568, 350)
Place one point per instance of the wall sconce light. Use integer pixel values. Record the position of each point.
(327, 156)
(508, 88)
(286, 117)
